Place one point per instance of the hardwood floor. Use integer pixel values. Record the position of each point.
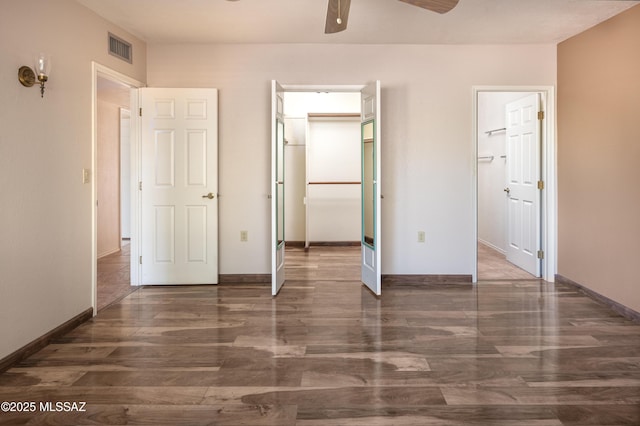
(493, 265)
(326, 351)
(114, 277)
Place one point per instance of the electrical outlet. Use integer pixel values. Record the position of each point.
(244, 236)
(421, 236)
(86, 176)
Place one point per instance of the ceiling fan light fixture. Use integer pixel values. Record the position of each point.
(337, 16)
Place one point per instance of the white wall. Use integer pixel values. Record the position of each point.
(295, 173)
(492, 219)
(428, 157)
(299, 104)
(333, 155)
(45, 209)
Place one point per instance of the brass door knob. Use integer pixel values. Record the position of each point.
(209, 196)
(507, 190)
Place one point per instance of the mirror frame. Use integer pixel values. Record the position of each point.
(280, 174)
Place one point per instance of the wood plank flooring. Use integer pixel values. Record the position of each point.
(114, 278)
(493, 265)
(326, 351)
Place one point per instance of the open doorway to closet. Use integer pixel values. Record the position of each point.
(322, 212)
(515, 184)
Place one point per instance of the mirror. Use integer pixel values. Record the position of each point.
(280, 183)
(368, 184)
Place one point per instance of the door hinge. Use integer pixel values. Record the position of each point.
(140, 112)
(540, 115)
(540, 184)
(140, 186)
(540, 254)
(140, 260)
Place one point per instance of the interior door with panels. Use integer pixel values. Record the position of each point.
(179, 184)
(523, 178)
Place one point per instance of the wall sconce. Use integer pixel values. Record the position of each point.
(28, 77)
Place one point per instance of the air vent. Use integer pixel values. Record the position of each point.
(120, 48)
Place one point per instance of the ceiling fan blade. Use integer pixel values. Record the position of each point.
(440, 6)
(337, 16)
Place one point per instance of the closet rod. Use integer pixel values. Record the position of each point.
(333, 183)
(491, 132)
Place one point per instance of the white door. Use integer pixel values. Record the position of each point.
(523, 175)
(370, 121)
(277, 187)
(179, 211)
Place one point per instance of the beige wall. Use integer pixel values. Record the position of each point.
(599, 158)
(107, 177)
(428, 160)
(45, 209)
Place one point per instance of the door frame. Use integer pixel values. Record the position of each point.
(548, 174)
(98, 70)
(306, 88)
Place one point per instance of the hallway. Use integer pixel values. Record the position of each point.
(114, 276)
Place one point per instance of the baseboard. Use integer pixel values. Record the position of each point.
(244, 279)
(612, 304)
(42, 341)
(386, 279)
(107, 253)
(411, 279)
(491, 246)
(298, 244)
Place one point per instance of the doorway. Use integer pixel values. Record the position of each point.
(322, 191)
(369, 183)
(114, 150)
(112, 175)
(500, 150)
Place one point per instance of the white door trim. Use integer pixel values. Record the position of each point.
(549, 230)
(98, 70)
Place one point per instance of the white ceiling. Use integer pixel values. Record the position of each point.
(370, 21)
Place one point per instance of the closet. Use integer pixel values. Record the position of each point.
(322, 168)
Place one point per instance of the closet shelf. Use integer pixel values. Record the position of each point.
(333, 183)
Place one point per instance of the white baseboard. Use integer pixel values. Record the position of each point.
(488, 244)
(107, 253)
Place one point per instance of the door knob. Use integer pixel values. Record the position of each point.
(507, 190)
(209, 196)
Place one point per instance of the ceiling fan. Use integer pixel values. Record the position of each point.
(338, 11)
